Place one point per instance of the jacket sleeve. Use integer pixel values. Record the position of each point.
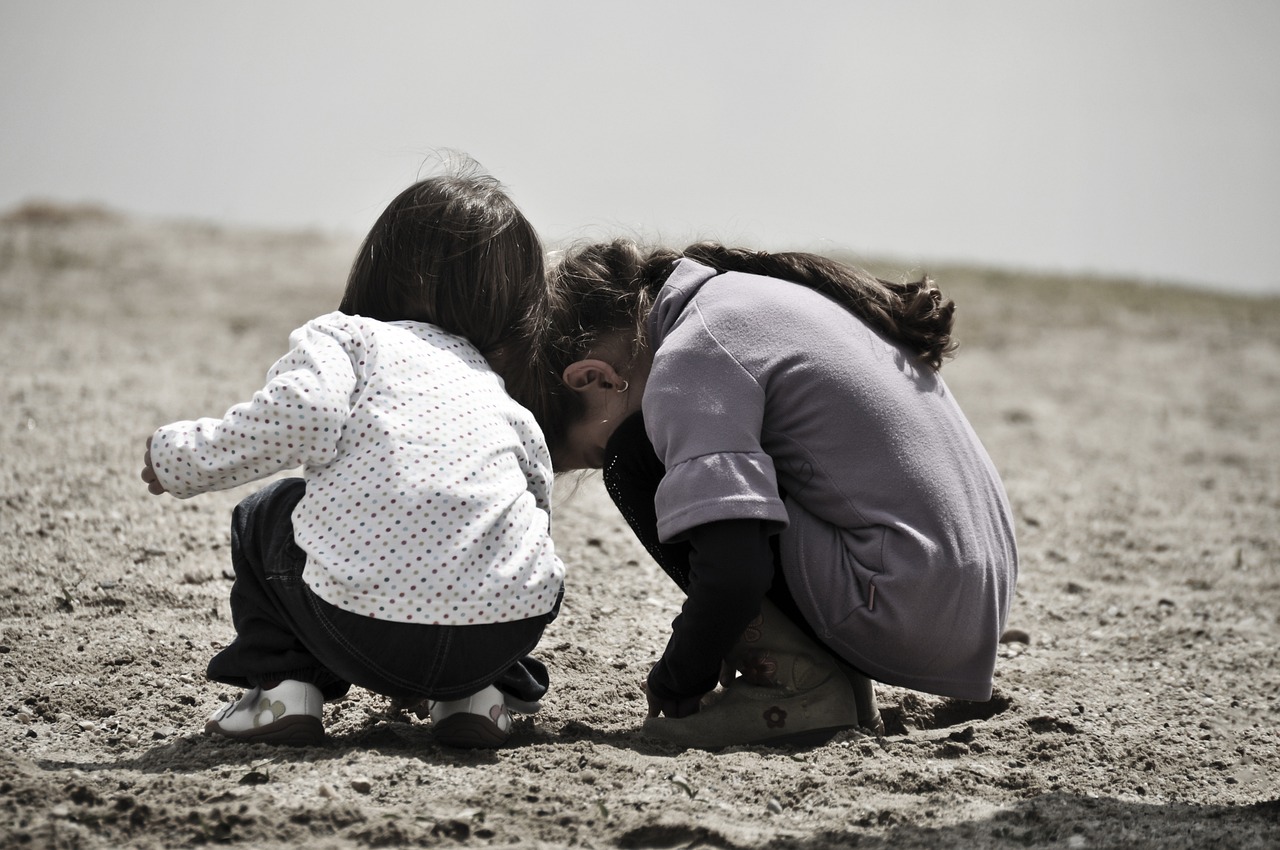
(296, 419)
(704, 412)
(535, 463)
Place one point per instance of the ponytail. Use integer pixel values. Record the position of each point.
(914, 314)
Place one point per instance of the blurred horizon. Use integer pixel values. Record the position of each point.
(1136, 139)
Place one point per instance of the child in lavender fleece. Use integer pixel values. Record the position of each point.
(775, 431)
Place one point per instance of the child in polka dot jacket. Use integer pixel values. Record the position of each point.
(414, 556)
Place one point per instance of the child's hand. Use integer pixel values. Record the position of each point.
(149, 475)
(670, 707)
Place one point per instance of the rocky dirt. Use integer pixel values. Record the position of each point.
(1137, 428)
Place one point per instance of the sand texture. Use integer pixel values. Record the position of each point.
(1137, 429)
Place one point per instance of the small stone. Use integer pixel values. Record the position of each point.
(255, 777)
(774, 806)
(1015, 636)
(361, 785)
(328, 792)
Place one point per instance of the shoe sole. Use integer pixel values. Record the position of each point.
(298, 731)
(807, 738)
(469, 731)
(803, 739)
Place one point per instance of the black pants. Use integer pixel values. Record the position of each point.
(632, 473)
(285, 631)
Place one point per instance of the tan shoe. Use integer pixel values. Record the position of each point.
(791, 692)
(864, 696)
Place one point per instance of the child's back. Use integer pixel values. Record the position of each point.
(414, 558)
(881, 472)
(427, 488)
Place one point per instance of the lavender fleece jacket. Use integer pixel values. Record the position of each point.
(896, 535)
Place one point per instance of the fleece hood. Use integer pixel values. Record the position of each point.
(683, 283)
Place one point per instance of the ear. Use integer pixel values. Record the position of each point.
(583, 375)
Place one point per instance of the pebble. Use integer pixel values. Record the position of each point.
(361, 785)
(25, 716)
(774, 806)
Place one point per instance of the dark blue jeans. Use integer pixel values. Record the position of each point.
(285, 631)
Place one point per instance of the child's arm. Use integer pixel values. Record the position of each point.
(730, 571)
(535, 460)
(295, 419)
(154, 487)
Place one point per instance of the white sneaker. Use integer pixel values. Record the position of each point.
(289, 713)
(480, 720)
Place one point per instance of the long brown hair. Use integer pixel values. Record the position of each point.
(603, 289)
(454, 251)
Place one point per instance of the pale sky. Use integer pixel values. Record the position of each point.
(1135, 138)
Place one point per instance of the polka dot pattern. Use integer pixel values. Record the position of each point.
(428, 489)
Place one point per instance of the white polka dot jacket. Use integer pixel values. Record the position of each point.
(428, 488)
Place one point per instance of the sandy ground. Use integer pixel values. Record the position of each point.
(1138, 430)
